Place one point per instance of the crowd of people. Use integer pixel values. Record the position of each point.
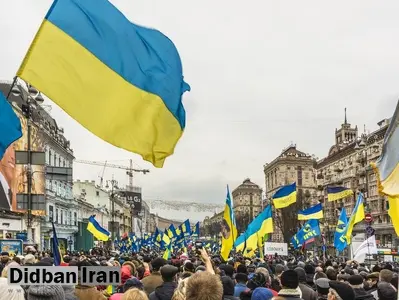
(199, 276)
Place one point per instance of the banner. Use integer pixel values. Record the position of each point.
(13, 179)
(134, 199)
(273, 248)
(13, 247)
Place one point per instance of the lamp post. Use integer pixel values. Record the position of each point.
(114, 185)
(31, 99)
(362, 151)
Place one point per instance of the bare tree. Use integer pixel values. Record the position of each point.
(286, 218)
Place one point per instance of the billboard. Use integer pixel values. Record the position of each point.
(134, 199)
(13, 179)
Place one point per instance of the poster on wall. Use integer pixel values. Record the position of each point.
(13, 247)
(13, 177)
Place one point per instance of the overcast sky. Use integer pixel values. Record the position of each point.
(263, 73)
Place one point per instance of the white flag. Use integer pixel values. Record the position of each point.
(369, 246)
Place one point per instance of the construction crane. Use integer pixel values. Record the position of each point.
(129, 170)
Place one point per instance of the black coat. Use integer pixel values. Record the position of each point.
(164, 292)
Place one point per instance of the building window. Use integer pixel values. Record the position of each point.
(62, 217)
(98, 193)
(75, 218)
(70, 218)
(59, 161)
(49, 157)
(55, 160)
(56, 215)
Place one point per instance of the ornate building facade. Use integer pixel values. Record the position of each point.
(348, 164)
(247, 203)
(290, 166)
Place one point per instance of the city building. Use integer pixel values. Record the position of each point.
(290, 166)
(61, 207)
(111, 200)
(348, 164)
(212, 225)
(247, 203)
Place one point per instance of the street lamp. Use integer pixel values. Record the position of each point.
(32, 98)
(114, 186)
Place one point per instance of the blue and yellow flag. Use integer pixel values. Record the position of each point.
(168, 252)
(228, 228)
(285, 196)
(186, 228)
(10, 125)
(97, 231)
(92, 61)
(356, 217)
(339, 236)
(256, 230)
(338, 192)
(157, 237)
(314, 212)
(165, 240)
(171, 231)
(196, 231)
(309, 231)
(387, 166)
(55, 248)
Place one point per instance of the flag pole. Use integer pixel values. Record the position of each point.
(12, 86)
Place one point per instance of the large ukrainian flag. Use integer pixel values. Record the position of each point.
(387, 166)
(338, 192)
(314, 212)
(257, 229)
(356, 217)
(121, 81)
(285, 196)
(97, 231)
(229, 229)
(387, 169)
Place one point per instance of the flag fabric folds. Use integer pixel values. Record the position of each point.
(369, 246)
(171, 231)
(314, 212)
(285, 196)
(308, 232)
(256, 230)
(121, 81)
(228, 228)
(97, 231)
(387, 166)
(338, 192)
(10, 125)
(55, 248)
(393, 212)
(196, 231)
(339, 236)
(356, 217)
(186, 228)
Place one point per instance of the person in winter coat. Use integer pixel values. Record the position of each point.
(356, 282)
(307, 292)
(386, 291)
(228, 288)
(154, 280)
(167, 288)
(290, 286)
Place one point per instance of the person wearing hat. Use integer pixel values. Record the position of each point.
(166, 289)
(322, 288)
(356, 282)
(372, 281)
(154, 280)
(290, 286)
(340, 291)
